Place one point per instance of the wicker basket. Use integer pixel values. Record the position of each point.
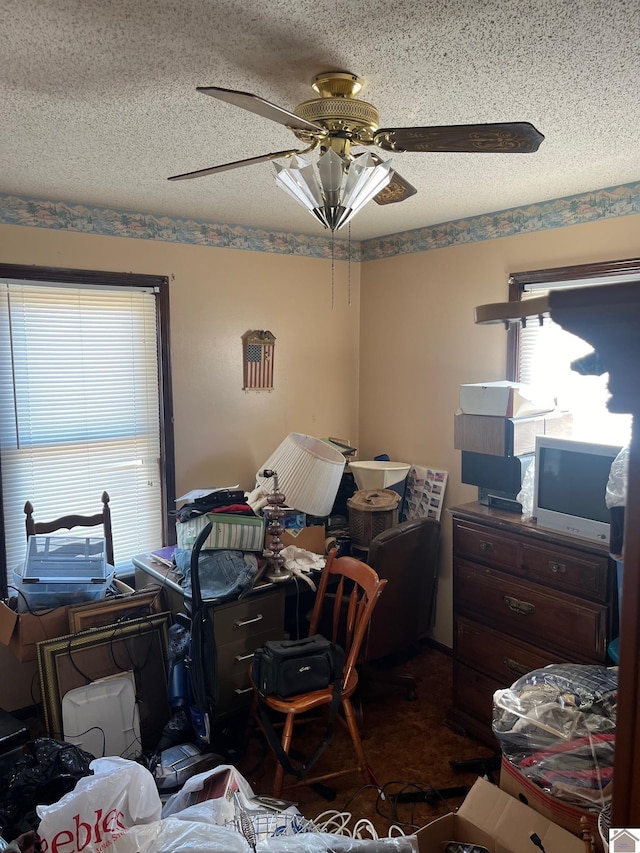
(370, 512)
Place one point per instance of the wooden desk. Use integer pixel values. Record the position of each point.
(240, 626)
(269, 611)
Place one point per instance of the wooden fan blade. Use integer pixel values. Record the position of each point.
(398, 189)
(261, 107)
(235, 165)
(506, 138)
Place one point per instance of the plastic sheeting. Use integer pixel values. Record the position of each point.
(557, 726)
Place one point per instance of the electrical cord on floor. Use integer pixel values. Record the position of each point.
(391, 794)
(338, 822)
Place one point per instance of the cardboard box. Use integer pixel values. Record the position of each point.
(20, 685)
(490, 817)
(503, 399)
(496, 436)
(21, 631)
(560, 812)
(233, 532)
(310, 538)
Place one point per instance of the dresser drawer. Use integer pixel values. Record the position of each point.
(484, 544)
(573, 571)
(473, 702)
(545, 618)
(498, 655)
(249, 616)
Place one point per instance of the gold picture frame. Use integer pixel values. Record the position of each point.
(119, 608)
(138, 646)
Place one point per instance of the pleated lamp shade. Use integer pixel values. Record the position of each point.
(309, 472)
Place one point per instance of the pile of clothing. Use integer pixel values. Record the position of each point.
(557, 725)
(228, 501)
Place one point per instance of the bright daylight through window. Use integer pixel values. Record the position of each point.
(542, 355)
(546, 355)
(79, 410)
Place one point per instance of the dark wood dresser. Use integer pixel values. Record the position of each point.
(524, 597)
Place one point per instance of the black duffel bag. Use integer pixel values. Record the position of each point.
(285, 668)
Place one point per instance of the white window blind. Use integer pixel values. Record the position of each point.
(546, 355)
(79, 410)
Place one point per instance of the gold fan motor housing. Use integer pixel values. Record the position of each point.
(338, 110)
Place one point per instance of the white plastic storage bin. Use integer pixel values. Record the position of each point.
(61, 570)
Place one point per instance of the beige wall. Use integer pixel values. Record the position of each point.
(419, 344)
(383, 372)
(222, 433)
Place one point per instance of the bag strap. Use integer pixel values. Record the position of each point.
(276, 745)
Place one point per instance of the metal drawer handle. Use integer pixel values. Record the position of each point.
(517, 606)
(258, 618)
(240, 658)
(486, 546)
(515, 667)
(239, 692)
(558, 568)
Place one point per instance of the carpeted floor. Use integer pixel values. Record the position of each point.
(406, 743)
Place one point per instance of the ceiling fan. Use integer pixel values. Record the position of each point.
(337, 121)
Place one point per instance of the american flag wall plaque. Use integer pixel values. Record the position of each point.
(258, 351)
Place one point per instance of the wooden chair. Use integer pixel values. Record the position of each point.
(66, 522)
(361, 586)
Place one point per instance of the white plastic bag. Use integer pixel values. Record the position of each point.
(101, 809)
(616, 491)
(183, 836)
(525, 495)
(220, 786)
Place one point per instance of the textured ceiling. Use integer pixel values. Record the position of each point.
(98, 99)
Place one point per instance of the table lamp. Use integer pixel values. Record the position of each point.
(309, 473)
(308, 476)
(274, 513)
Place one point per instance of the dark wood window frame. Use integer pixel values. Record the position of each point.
(160, 284)
(519, 280)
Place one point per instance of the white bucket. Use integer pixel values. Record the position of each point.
(378, 475)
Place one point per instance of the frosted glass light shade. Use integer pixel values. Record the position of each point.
(299, 180)
(341, 188)
(309, 472)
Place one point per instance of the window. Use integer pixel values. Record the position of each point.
(542, 354)
(85, 404)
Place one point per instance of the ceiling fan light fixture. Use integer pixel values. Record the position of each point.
(332, 169)
(299, 180)
(367, 176)
(342, 187)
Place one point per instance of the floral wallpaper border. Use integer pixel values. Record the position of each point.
(606, 203)
(93, 219)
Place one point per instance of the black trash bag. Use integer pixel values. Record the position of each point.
(48, 770)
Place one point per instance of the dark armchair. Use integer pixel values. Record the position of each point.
(407, 556)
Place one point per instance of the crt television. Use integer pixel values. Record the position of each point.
(570, 480)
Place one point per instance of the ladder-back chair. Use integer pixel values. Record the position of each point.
(67, 522)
